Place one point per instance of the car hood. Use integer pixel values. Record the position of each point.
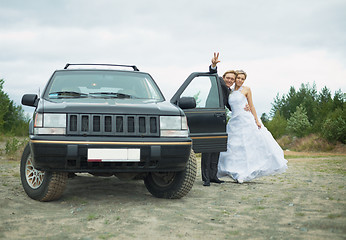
(109, 106)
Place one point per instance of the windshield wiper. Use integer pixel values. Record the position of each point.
(112, 94)
(67, 94)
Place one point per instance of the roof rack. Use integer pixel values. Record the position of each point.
(95, 64)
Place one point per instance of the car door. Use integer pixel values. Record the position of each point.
(207, 121)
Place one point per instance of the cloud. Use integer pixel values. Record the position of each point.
(280, 43)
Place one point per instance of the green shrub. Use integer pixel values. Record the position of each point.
(12, 145)
(277, 126)
(334, 127)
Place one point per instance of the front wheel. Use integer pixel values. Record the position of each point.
(172, 185)
(40, 185)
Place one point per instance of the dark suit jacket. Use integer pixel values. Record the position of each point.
(225, 90)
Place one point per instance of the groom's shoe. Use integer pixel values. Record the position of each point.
(217, 181)
(206, 183)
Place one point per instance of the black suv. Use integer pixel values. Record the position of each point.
(97, 119)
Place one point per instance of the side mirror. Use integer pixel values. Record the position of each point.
(30, 100)
(187, 102)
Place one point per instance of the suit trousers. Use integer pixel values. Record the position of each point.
(209, 164)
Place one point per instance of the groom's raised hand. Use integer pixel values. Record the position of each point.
(215, 60)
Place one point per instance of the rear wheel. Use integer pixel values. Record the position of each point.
(40, 185)
(172, 184)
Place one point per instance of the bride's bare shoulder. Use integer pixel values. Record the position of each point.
(246, 88)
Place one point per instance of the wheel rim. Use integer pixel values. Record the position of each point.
(163, 179)
(33, 176)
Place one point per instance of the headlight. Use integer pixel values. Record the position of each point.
(50, 123)
(173, 126)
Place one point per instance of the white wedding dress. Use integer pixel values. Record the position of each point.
(251, 152)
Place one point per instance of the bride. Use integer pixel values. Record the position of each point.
(252, 151)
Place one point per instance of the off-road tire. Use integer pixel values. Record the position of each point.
(172, 185)
(40, 185)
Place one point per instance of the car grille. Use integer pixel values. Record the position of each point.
(113, 125)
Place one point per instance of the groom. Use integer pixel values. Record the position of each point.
(210, 161)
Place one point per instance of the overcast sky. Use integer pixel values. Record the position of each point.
(279, 43)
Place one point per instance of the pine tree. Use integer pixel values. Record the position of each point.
(298, 124)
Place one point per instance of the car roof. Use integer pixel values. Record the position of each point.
(100, 66)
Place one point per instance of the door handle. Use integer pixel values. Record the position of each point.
(218, 115)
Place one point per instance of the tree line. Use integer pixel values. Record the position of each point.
(305, 111)
(298, 113)
(12, 118)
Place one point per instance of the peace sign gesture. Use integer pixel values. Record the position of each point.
(215, 60)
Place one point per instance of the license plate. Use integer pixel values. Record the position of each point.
(114, 155)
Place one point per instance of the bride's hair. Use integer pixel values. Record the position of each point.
(240, 72)
(229, 71)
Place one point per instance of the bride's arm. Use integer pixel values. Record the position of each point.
(252, 107)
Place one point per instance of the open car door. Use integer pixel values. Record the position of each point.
(207, 121)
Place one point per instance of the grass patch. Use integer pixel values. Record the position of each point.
(313, 143)
(259, 208)
(76, 200)
(309, 143)
(300, 214)
(307, 156)
(227, 213)
(92, 217)
(333, 216)
(14, 145)
(330, 166)
(234, 233)
(16, 174)
(106, 236)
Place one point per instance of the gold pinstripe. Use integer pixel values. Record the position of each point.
(209, 137)
(111, 143)
(205, 111)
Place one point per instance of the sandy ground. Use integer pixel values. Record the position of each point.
(306, 202)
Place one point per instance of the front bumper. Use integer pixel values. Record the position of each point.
(69, 153)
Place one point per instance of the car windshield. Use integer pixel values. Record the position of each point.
(102, 84)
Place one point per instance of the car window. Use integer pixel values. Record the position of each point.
(204, 89)
(102, 84)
